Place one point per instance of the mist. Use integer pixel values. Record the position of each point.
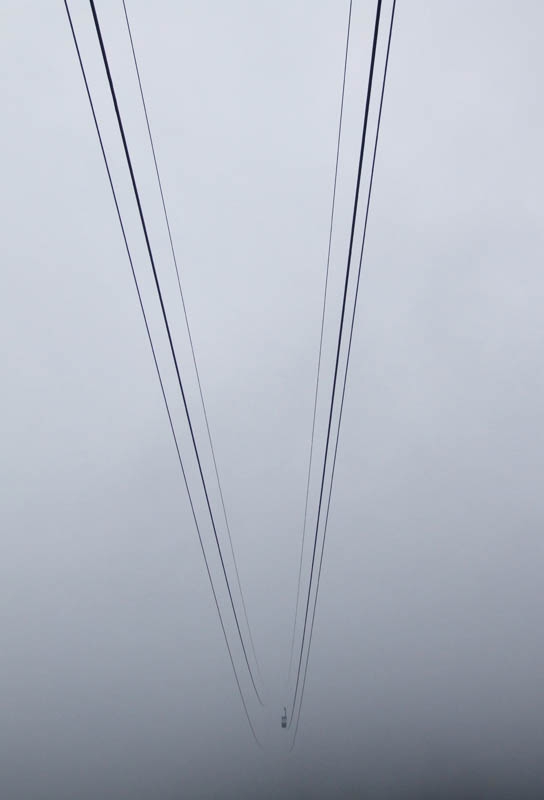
(425, 678)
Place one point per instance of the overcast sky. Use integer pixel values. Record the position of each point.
(426, 676)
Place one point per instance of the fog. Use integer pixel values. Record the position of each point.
(426, 672)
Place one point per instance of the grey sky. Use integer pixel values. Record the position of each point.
(426, 670)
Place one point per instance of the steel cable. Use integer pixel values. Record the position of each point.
(347, 364)
(320, 347)
(148, 332)
(337, 361)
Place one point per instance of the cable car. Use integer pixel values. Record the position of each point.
(284, 718)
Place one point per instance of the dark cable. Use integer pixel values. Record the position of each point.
(155, 359)
(320, 346)
(347, 364)
(165, 318)
(174, 257)
(346, 284)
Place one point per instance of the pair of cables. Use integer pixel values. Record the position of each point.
(309, 619)
(315, 570)
(171, 344)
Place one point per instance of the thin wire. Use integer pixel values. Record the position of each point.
(346, 284)
(174, 257)
(165, 318)
(320, 347)
(347, 364)
(87, 89)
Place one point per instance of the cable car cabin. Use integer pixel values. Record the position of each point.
(284, 718)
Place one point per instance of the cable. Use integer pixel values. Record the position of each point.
(165, 318)
(320, 345)
(155, 358)
(347, 360)
(174, 257)
(346, 284)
